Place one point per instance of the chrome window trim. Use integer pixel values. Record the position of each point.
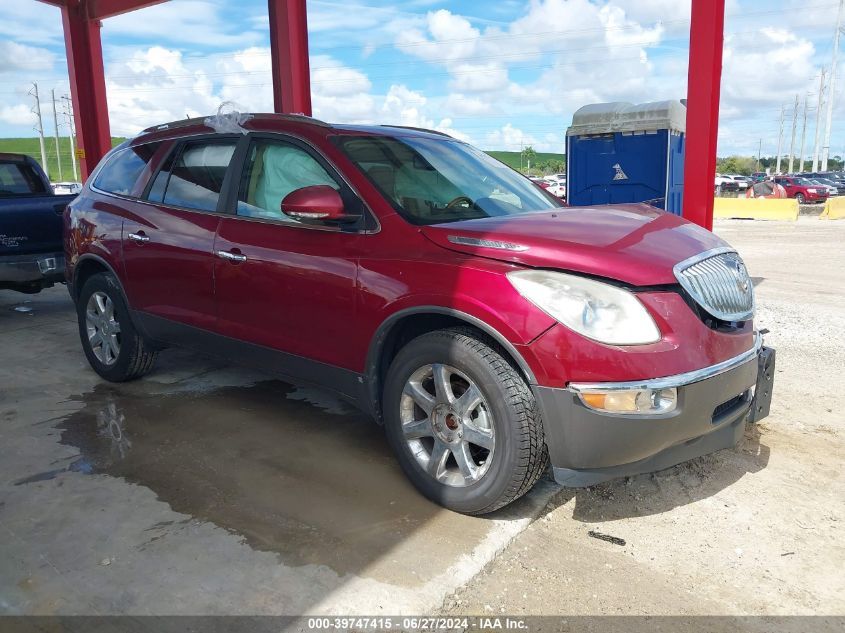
(678, 380)
(681, 266)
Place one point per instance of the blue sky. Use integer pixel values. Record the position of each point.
(500, 74)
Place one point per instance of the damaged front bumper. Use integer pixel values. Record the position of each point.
(588, 446)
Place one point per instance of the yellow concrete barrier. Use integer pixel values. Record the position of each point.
(834, 209)
(756, 208)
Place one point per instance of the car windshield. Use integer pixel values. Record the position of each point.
(431, 181)
(803, 182)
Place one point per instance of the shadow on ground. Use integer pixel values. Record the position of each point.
(656, 493)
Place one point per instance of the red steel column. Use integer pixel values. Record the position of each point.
(289, 53)
(705, 75)
(87, 85)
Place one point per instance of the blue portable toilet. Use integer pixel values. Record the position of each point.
(622, 152)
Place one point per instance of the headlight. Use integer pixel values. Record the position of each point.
(811, 191)
(597, 310)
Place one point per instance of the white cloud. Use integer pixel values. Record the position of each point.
(198, 22)
(465, 105)
(509, 138)
(32, 22)
(621, 31)
(154, 86)
(15, 57)
(17, 115)
(330, 78)
(403, 106)
(762, 66)
(577, 52)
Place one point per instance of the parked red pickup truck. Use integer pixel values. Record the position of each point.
(802, 189)
(490, 329)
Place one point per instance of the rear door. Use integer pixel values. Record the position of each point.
(168, 244)
(281, 283)
(790, 186)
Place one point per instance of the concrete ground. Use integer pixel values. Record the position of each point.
(210, 489)
(751, 531)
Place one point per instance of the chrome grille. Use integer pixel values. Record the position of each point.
(718, 282)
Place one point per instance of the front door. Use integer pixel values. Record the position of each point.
(280, 283)
(168, 245)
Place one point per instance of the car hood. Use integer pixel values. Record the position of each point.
(633, 243)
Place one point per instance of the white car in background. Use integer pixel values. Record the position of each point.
(744, 181)
(557, 188)
(66, 188)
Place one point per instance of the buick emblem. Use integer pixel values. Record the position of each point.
(741, 276)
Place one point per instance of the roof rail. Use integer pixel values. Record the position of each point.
(175, 125)
(419, 129)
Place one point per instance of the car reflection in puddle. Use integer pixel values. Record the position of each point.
(304, 481)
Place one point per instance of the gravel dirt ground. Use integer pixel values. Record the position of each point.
(751, 531)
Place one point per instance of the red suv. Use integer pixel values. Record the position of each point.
(802, 189)
(490, 330)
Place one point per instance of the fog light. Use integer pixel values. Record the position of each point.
(647, 401)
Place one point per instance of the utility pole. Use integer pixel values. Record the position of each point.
(780, 136)
(39, 127)
(803, 134)
(830, 88)
(521, 150)
(69, 118)
(818, 122)
(56, 123)
(759, 152)
(794, 125)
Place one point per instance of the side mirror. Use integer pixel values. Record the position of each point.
(317, 202)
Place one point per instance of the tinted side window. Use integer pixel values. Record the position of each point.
(273, 169)
(195, 177)
(19, 179)
(122, 170)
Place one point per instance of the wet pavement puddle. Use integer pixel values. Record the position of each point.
(303, 481)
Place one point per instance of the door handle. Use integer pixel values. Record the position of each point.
(139, 237)
(232, 257)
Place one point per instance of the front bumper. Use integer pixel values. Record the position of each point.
(32, 269)
(587, 446)
(815, 197)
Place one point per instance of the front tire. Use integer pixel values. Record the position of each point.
(112, 345)
(462, 422)
(800, 198)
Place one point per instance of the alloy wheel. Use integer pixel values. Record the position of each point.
(447, 425)
(103, 328)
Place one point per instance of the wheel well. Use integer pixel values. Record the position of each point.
(85, 269)
(414, 325)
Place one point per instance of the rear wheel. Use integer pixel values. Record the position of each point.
(800, 198)
(112, 345)
(463, 422)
